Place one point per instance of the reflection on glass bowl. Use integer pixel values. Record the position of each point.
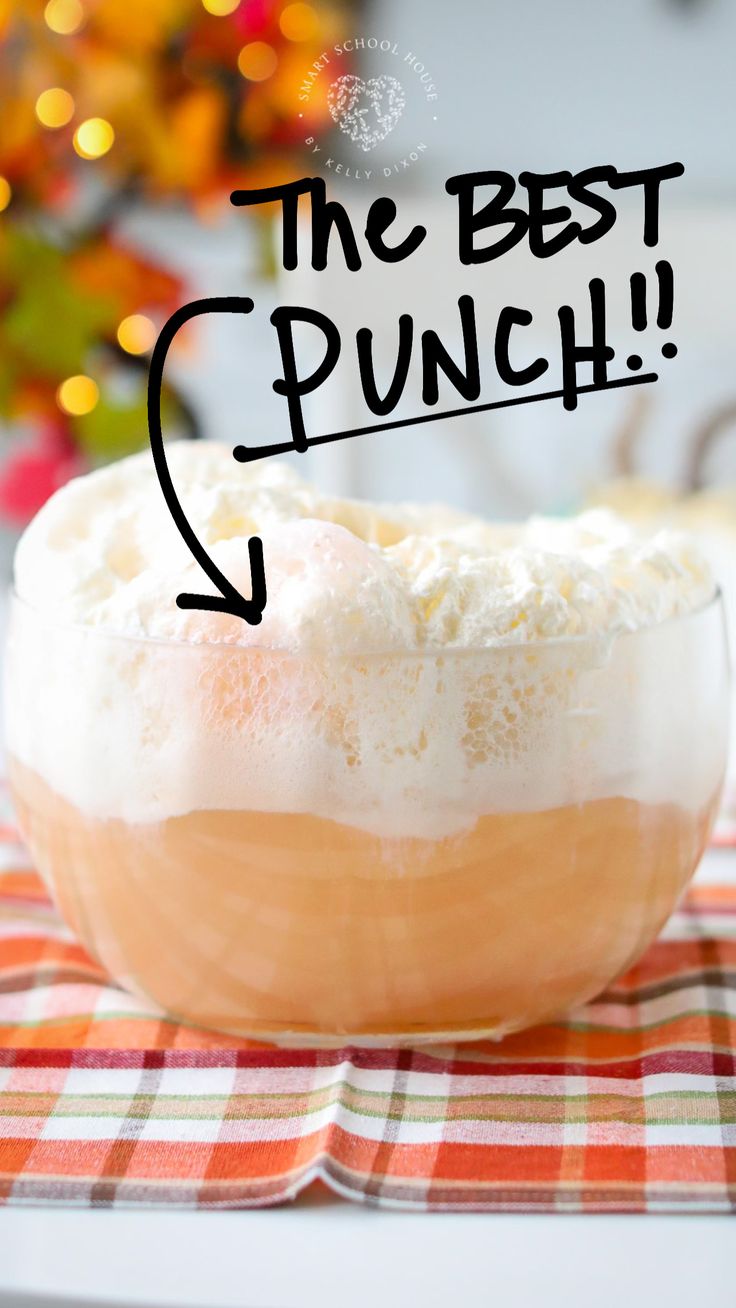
(399, 847)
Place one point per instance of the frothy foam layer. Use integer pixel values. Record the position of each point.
(406, 698)
(342, 575)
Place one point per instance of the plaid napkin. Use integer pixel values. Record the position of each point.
(630, 1105)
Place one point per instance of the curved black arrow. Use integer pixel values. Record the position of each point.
(230, 599)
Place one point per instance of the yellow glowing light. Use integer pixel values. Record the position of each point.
(93, 138)
(220, 7)
(299, 22)
(257, 61)
(54, 107)
(78, 395)
(6, 193)
(64, 16)
(136, 334)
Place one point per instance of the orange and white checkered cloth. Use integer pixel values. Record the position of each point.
(629, 1105)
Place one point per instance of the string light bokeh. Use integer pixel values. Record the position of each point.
(106, 105)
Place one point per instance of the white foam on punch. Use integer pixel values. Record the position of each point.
(415, 668)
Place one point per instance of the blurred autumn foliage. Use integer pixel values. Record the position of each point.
(104, 104)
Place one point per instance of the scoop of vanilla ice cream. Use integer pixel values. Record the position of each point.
(326, 587)
(342, 575)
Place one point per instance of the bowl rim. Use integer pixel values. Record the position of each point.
(596, 640)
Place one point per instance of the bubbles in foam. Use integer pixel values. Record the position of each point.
(352, 699)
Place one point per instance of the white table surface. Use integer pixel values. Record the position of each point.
(329, 1254)
(322, 1252)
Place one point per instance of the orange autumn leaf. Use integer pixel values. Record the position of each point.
(6, 14)
(197, 125)
(32, 397)
(19, 133)
(141, 25)
(123, 278)
(111, 85)
(255, 119)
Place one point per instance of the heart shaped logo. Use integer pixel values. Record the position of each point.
(366, 111)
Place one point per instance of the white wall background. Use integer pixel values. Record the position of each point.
(547, 84)
(537, 85)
